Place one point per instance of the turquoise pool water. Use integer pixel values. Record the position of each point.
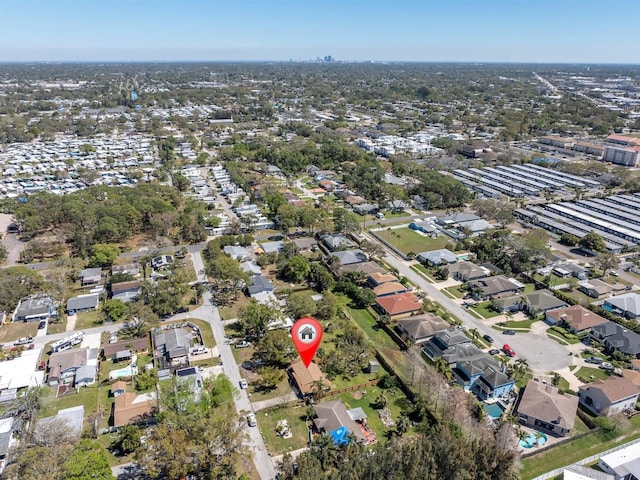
(533, 440)
(494, 410)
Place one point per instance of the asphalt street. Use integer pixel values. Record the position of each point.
(541, 352)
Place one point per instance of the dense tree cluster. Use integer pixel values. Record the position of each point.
(511, 252)
(441, 453)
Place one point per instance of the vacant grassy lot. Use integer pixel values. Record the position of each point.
(231, 311)
(85, 320)
(12, 331)
(406, 240)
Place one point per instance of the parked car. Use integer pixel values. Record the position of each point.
(494, 351)
(42, 324)
(508, 350)
(606, 366)
(509, 332)
(198, 350)
(244, 344)
(243, 383)
(594, 360)
(251, 420)
(24, 341)
(488, 338)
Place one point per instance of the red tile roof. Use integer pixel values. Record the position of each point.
(401, 303)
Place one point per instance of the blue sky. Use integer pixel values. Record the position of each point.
(405, 30)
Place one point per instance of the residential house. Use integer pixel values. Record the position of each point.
(63, 366)
(236, 252)
(540, 301)
(365, 267)
(616, 337)
(337, 242)
(131, 409)
(161, 261)
(348, 257)
(10, 428)
(251, 267)
(366, 208)
(466, 271)
(397, 206)
(376, 279)
(543, 407)
(420, 328)
(272, 247)
(305, 244)
(426, 227)
(566, 270)
(609, 397)
(632, 375)
(307, 381)
(457, 219)
(623, 464)
(595, 288)
(334, 419)
(398, 306)
(444, 344)
(35, 308)
(493, 382)
(259, 284)
(437, 257)
(495, 287)
(73, 417)
(576, 318)
(83, 303)
(118, 388)
(126, 291)
(389, 288)
(119, 350)
(173, 345)
(90, 277)
(628, 304)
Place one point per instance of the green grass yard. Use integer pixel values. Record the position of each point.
(484, 309)
(295, 415)
(589, 374)
(406, 240)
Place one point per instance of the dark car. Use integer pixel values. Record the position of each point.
(494, 351)
(509, 332)
(595, 360)
(182, 310)
(488, 338)
(42, 325)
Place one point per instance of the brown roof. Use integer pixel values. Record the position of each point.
(577, 316)
(614, 388)
(135, 344)
(383, 277)
(306, 376)
(632, 375)
(401, 303)
(543, 402)
(131, 408)
(389, 288)
(119, 385)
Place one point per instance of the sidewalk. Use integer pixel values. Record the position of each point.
(294, 454)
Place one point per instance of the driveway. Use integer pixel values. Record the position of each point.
(541, 352)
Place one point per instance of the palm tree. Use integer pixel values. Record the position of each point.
(443, 368)
(520, 367)
(474, 334)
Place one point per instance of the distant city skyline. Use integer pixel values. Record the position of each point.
(542, 31)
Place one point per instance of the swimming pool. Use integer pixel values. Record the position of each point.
(533, 440)
(494, 410)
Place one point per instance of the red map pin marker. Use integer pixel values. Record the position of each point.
(307, 335)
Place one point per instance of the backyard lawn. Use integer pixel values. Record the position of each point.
(406, 240)
(295, 415)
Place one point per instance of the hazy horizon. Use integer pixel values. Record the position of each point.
(459, 31)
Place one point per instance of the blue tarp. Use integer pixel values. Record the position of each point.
(340, 436)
